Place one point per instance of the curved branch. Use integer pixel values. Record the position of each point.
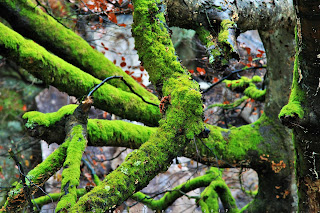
(30, 21)
(209, 198)
(54, 71)
(37, 176)
(169, 197)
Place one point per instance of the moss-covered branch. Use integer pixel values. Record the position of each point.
(291, 113)
(221, 47)
(50, 127)
(54, 197)
(67, 78)
(209, 199)
(178, 191)
(38, 176)
(248, 87)
(71, 168)
(230, 105)
(154, 156)
(30, 21)
(76, 130)
(233, 145)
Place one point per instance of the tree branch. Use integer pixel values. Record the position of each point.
(37, 177)
(72, 80)
(30, 21)
(169, 197)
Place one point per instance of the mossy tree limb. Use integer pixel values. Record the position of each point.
(302, 111)
(169, 197)
(67, 78)
(142, 165)
(54, 197)
(76, 130)
(209, 198)
(232, 145)
(38, 176)
(30, 21)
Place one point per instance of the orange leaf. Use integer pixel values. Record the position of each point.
(215, 79)
(24, 108)
(202, 71)
(248, 50)
(112, 17)
(123, 64)
(104, 115)
(1, 108)
(130, 6)
(191, 71)
(179, 165)
(123, 58)
(226, 102)
(94, 162)
(250, 58)
(122, 25)
(206, 120)
(103, 166)
(141, 68)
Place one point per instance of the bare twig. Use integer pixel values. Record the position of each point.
(124, 81)
(26, 188)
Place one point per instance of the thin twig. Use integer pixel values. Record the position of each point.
(115, 157)
(50, 14)
(126, 83)
(233, 72)
(26, 188)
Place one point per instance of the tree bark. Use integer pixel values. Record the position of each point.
(302, 111)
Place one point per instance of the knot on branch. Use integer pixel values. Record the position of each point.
(291, 114)
(165, 101)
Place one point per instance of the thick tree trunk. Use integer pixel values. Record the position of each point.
(302, 111)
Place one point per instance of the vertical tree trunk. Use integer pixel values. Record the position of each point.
(305, 105)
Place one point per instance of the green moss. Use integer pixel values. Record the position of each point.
(240, 83)
(253, 92)
(223, 35)
(292, 109)
(70, 46)
(169, 197)
(249, 87)
(47, 119)
(256, 79)
(231, 105)
(39, 175)
(71, 171)
(208, 40)
(209, 200)
(70, 79)
(153, 42)
(115, 133)
(297, 95)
